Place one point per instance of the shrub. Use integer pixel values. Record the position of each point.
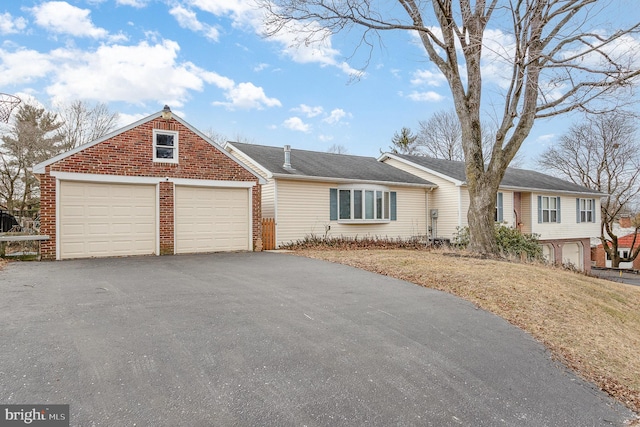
(510, 242)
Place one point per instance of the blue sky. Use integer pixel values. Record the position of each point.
(207, 60)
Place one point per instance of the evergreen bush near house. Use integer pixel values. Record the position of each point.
(510, 241)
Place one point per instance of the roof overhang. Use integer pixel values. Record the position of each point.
(385, 156)
(349, 181)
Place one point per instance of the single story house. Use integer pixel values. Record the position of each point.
(565, 216)
(157, 186)
(324, 194)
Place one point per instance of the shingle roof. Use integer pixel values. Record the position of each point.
(513, 177)
(327, 165)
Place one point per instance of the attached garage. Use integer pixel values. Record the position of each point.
(212, 219)
(155, 187)
(106, 219)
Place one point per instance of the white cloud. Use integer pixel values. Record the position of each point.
(61, 17)
(429, 96)
(546, 139)
(325, 138)
(428, 78)
(10, 25)
(302, 42)
(23, 66)
(336, 116)
(247, 96)
(187, 19)
(133, 3)
(296, 123)
(260, 67)
(308, 111)
(125, 73)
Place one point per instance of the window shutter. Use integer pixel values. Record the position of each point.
(333, 204)
(539, 209)
(558, 207)
(578, 211)
(593, 210)
(500, 210)
(392, 197)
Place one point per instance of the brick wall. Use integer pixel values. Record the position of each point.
(131, 154)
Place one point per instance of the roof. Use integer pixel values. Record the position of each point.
(314, 164)
(514, 178)
(40, 167)
(626, 241)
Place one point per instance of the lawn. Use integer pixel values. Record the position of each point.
(592, 325)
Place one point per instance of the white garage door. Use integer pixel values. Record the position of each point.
(98, 220)
(211, 219)
(572, 254)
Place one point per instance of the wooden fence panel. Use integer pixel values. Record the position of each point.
(268, 234)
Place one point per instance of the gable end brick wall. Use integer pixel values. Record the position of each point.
(131, 154)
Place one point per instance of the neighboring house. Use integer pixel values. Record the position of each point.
(624, 229)
(625, 247)
(323, 194)
(563, 215)
(157, 186)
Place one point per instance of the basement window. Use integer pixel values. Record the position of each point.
(165, 146)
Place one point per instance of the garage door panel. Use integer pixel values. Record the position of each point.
(99, 219)
(212, 219)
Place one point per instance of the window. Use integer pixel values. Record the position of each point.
(362, 204)
(165, 146)
(585, 210)
(548, 209)
(499, 216)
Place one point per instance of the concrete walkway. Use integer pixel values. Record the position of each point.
(272, 340)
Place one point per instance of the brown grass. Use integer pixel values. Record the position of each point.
(592, 325)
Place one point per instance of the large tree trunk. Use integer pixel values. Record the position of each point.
(482, 196)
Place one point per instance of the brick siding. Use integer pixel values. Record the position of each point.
(130, 153)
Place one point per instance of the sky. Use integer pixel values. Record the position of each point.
(210, 62)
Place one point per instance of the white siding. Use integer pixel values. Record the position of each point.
(244, 159)
(303, 210)
(445, 198)
(568, 228)
(269, 199)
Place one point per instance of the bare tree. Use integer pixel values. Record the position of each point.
(440, 137)
(337, 149)
(404, 142)
(33, 138)
(557, 61)
(82, 123)
(603, 154)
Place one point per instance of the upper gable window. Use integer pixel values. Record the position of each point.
(165, 146)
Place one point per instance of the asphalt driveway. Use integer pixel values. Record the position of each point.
(270, 339)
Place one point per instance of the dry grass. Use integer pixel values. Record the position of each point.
(592, 325)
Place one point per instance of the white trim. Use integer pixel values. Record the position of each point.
(126, 179)
(547, 190)
(210, 183)
(122, 179)
(385, 156)
(275, 210)
(460, 207)
(175, 147)
(229, 146)
(348, 181)
(57, 219)
(250, 209)
(158, 220)
(40, 168)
